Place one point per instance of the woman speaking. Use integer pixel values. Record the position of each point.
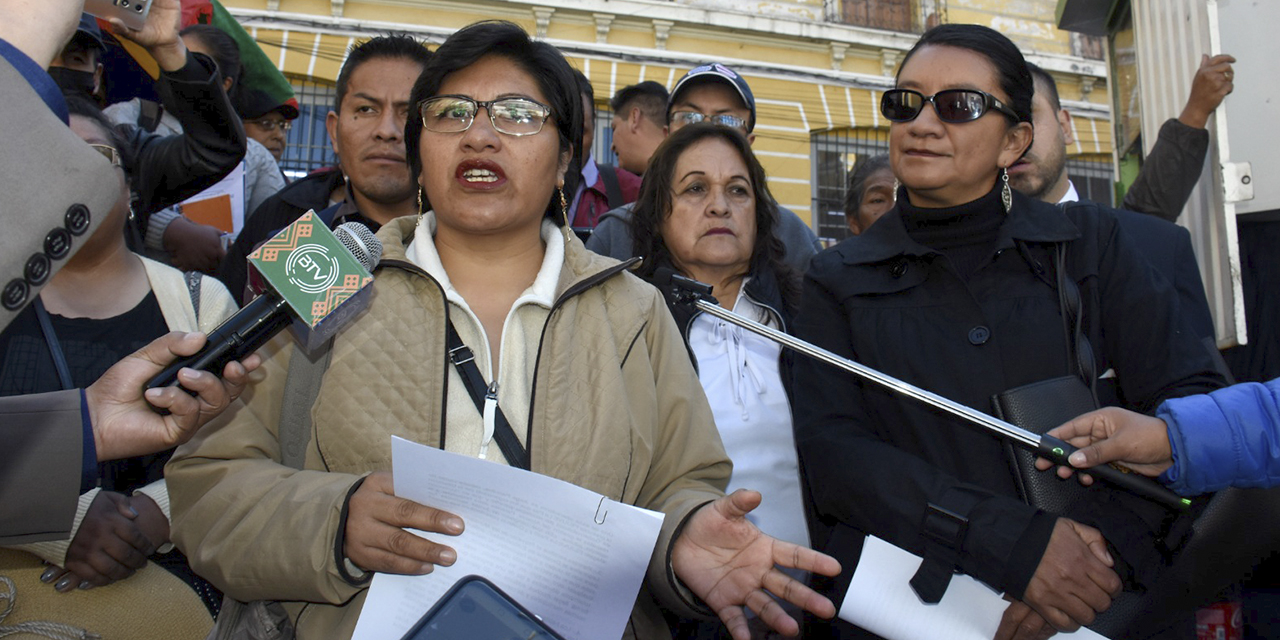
(955, 290)
(581, 358)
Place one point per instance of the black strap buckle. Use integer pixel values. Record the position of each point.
(461, 355)
(945, 527)
(944, 530)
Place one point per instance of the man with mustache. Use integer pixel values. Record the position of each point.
(366, 128)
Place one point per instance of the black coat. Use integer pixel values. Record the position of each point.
(873, 461)
(166, 170)
(1167, 247)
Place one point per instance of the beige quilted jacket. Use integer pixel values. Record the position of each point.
(617, 408)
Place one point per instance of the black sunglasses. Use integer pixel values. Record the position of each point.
(951, 105)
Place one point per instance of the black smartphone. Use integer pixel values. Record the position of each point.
(131, 12)
(476, 609)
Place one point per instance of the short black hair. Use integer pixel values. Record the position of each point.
(1043, 79)
(650, 97)
(585, 89)
(543, 62)
(1004, 56)
(226, 53)
(388, 46)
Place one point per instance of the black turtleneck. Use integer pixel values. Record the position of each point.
(965, 234)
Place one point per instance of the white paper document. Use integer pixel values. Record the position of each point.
(880, 600)
(571, 556)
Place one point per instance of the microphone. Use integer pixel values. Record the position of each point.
(689, 292)
(311, 278)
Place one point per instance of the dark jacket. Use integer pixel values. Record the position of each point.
(1167, 247)
(763, 288)
(276, 213)
(166, 170)
(1170, 172)
(874, 461)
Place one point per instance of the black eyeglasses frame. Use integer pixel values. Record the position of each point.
(989, 102)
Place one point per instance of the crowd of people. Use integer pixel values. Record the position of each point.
(973, 270)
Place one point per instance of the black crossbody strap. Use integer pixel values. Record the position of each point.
(55, 348)
(465, 362)
(612, 189)
(1079, 351)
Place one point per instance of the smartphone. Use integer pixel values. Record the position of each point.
(133, 13)
(475, 608)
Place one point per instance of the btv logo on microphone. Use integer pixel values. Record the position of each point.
(311, 268)
(307, 266)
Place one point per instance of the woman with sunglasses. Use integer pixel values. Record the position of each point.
(575, 360)
(954, 291)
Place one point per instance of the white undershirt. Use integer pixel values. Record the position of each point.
(517, 349)
(739, 373)
(1071, 195)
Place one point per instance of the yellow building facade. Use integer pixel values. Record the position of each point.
(816, 67)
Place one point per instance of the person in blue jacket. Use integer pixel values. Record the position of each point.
(1195, 444)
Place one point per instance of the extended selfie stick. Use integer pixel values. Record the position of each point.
(689, 291)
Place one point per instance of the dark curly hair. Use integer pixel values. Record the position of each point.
(657, 193)
(543, 62)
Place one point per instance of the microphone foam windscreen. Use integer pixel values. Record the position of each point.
(361, 242)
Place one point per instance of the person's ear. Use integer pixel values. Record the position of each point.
(751, 139)
(227, 83)
(634, 119)
(97, 79)
(331, 125)
(666, 130)
(1064, 122)
(565, 157)
(1016, 142)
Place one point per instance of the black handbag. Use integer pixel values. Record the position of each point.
(1041, 406)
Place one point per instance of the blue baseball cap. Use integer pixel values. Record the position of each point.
(88, 30)
(716, 72)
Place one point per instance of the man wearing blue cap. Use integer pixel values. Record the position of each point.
(710, 92)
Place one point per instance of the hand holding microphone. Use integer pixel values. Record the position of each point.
(313, 279)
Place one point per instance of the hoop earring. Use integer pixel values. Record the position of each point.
(1006, 194)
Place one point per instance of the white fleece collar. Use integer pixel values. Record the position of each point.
(543, 290)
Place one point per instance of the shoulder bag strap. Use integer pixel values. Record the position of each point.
(612, 190)
(150, 113)
(301, 388)
(465, 362)
(1079, 351)
(194, 279)
(55, 348)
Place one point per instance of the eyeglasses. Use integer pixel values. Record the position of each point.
(722, 119)
(109, 152)
(270, 125)
(952, 105)
(512, 116)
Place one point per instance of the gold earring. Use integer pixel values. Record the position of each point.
(564, 215)
(421, 200)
